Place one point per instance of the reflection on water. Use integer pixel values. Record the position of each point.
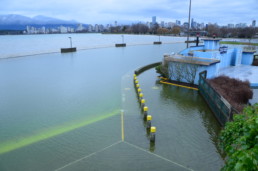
(189, 101)
(187, 131)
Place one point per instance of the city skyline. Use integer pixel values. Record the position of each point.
(105, 12)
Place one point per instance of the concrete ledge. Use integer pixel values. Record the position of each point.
(67, 50)
(157, 43)
(121, 45)
(190, 60)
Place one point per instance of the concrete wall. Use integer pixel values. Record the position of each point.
(238, 56)
(212, 71)
(211, 44)
(247, 58)
(227, 59)
(193, 48)
(207, 54)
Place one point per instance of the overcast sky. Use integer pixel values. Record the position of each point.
(108, 11)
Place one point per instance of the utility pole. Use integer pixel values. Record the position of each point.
(122, 38)
(189, 16)
(70, 41)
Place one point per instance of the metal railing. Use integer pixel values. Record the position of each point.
(221, 108)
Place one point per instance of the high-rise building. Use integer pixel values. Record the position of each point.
(90, 28)
(101, 28)
(96, 28)
(202, 26)
(231, 25)
(254, 23)
(62, 29)
(148, 24)
(191, 24)
(154, 21)
(42, 30)
(241, 25)
(162, 24)
(79, 27)
(178, 22)
(185, 25)
(171, 24)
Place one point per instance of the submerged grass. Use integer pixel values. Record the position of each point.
(16, 144)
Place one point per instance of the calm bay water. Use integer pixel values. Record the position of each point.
(22, 45)
(63, 111)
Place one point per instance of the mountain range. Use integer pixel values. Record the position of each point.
(19, 22)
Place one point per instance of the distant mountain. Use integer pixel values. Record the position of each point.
(40, 19)
(14, 19)
(19, 22)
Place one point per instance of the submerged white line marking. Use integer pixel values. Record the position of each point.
(85, 157)
(163, 158)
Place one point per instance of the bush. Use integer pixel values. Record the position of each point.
(235, 91)
(162, 70)
(239, 141)
(255, 63)
(158, 70)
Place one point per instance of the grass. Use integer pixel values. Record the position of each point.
(238, 43)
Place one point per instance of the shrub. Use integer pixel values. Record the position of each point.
(235, 91)
(162, 70)
(255, 63)
(239, 141)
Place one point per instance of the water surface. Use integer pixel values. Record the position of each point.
(63, 112)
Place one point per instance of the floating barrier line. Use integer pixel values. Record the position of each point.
(163, 82)
(85, 157)
(122, 126)
(163, 158)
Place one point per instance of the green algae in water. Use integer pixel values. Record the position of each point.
(16, 144)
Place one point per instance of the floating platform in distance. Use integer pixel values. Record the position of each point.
(157, 43)
(67, 50)
(121, 45)
(190, 41)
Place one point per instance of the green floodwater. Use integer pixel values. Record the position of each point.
(63, 112)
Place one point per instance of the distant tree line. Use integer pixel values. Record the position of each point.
(225, 32)
(210, 30)
(10, 32)
(144, 29)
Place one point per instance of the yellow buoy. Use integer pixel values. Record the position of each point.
(136, 81)
(142, 101)
(145, 109)
(135, 78)
(153, 129)
(149, 117)
(139, 90)
(137, 85)
(141, 95)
